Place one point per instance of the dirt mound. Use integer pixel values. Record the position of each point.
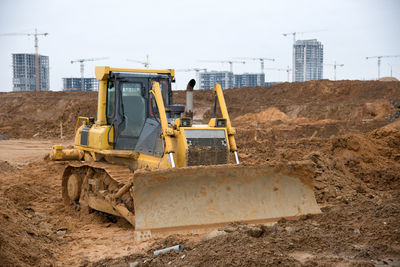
(314, 99)
(347, 167)
(357, 166)
(388, 79)
(22, 242)
(42, 115)
(270, 114)
(393, 126)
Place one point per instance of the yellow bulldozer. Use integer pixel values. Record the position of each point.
(146, 160)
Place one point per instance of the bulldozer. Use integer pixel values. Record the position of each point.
(146, 160)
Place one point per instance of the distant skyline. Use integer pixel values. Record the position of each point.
(179, 34)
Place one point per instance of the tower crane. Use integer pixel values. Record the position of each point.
(295, 33)
(379, 62)
(192, 69)
(35, 35)
(335, 65)
(288, 70)
(82, 62)
(261, 59)
(294, 42)
(146, 63)
(230, 62)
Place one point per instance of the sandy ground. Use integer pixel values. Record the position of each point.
(25, 151)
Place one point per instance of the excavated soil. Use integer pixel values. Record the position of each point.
(347, 132)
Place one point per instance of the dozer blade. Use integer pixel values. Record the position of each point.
(197, 199)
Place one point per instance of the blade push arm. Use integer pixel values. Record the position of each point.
(167, 132)
(224, 111)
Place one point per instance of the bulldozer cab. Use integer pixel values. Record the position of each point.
(130, 111)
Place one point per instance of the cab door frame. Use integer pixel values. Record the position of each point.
(119, 120)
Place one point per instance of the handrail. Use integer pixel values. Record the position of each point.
(81, 118)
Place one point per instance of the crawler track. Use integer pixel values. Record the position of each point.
(99, 185)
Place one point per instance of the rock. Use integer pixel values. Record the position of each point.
(134, 264)
(61, 233)
(3, 137)
(117, 239)
(229, 229)
(357, 231)
(289, 229)
(214, 233)
(29, 232)
(183, 256)
(253, 231)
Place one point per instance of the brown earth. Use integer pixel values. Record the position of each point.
(41, 115)
(346, 131)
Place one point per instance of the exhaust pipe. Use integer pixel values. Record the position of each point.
(189, 99)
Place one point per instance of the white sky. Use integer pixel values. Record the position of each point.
(177, 34)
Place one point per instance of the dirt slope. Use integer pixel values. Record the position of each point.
(40, 115)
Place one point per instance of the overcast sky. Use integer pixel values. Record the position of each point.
(177, 34)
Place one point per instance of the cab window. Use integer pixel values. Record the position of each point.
(134, 108)
(164, 86)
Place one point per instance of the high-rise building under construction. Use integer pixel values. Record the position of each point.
(80, 84)
(309, 60)
(24, 72)
(249, 80)
(207, 79)
(229, 80)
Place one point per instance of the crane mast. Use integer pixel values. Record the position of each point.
(335, 65)
(82, 68)
(288, 70)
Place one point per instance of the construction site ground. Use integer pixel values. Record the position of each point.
(348, 132)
